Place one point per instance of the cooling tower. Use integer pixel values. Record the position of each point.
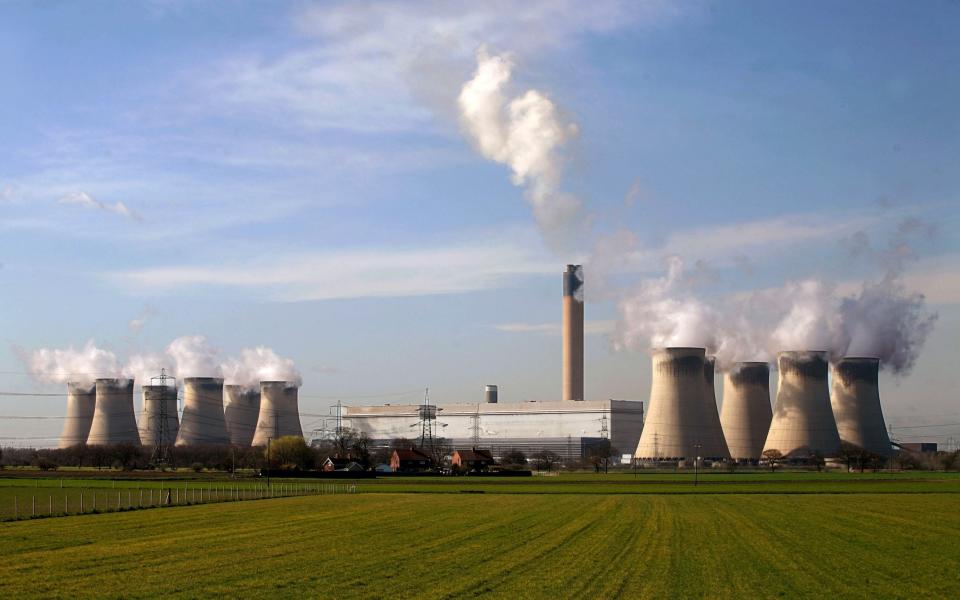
(241, 412)
(279, 412)
(113, 418)
(746, 411)
(81, 403)
(573, 333)
(677, 419)
(803, 422)
(713, 443)
(202, 421)
(856, 404)
(159, 415)
(491, 394)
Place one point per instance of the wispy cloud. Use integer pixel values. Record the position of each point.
(937, 278)
(136, 325)
(380, 66)
(354, 274)
(85, 200)
(732, 241)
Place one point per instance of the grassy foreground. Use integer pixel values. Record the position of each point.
(506, 545)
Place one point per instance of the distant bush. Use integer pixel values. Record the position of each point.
(46, 464)
(197, 467)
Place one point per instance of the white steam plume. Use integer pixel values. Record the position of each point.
(526, 134)
(883, 320)
(887, 321)
(811, 320)
(659, 313)
(53, 365)
(144, 367)
(193, 356)
(259, 364)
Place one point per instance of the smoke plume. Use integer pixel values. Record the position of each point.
(259, 364)
(526, 134)
(82, 366)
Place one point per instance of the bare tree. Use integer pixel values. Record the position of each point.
(545, 459)
(772, 457)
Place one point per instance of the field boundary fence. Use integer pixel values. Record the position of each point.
(28, 503)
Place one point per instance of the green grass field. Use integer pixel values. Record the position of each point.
(567, 537)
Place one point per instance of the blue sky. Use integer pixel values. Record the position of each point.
(297, 175)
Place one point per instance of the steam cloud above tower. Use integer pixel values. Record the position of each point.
(187, 356)
(260, 364)
(52, 365)
(882, 320)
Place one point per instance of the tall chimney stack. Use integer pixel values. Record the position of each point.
(573, 333)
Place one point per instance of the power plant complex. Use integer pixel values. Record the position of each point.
(818, 406)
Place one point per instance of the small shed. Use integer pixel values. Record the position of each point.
(410, 460)
(474, 459)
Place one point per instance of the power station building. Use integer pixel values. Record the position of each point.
(567, 428)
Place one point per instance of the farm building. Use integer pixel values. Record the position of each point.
(567, 428)
(473, 459)
(406, 460)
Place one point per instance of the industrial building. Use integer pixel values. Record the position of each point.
(682, 423)
(202, 421)
(746, 413)
(566, 428)
(803, 423)
(241, 409)
(114, 421)
(855, 397)
(81, 403)
(159, 422)
(279, 414)
(714, 443)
